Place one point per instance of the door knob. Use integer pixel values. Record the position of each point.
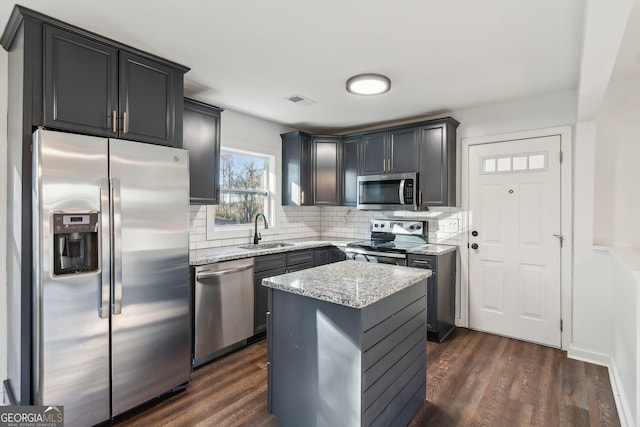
(474, 246)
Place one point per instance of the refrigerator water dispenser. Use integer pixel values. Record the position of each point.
(75, 243)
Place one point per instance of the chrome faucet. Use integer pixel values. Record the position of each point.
(257, 236)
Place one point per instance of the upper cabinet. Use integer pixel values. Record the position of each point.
(95, 87)
(373, 147)
(350, 167)
(311, 171)
(201, 136)
(428, 148)
(296, 169)
(326, 170)
(437, 172)
(389, 151)
(323, 170)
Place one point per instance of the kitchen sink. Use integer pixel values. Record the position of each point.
(268, 245)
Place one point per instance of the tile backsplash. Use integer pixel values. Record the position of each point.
(445, 225)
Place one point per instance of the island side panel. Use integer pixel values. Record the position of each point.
(314, 361)
(394, 357)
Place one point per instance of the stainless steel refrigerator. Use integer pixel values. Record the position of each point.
(111, 274)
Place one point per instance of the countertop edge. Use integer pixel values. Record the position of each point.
(373, 286)
(230, 253)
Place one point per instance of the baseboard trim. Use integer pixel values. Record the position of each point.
(588, 356)
(622, 403)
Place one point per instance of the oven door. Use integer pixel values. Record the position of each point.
(392, 258)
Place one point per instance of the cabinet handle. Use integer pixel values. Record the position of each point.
(420, 198)
(124, 122)
(114, 122)
(302, 197)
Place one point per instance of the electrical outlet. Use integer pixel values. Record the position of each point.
(449, 225)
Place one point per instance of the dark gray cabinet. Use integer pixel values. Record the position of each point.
(264, 266)
(94, 87)
(389, 151)
(428, 148)
(441, 310)
(201, 136)
(437, 163)
(350, 163)
(373, 153)
(80, 84)
(311, 171)
(326, 170)
(296, 169)
(286, 262)
(322, 256)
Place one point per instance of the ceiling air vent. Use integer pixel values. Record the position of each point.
(300, 100)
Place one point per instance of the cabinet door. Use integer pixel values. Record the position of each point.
(296, 169)
(147, 99)
(337, 255)
(80, 84)
(322, 256)
(201, 136)
(432, 303)
(350, 170)
(326, 170)
(373, 153)
(260, 298)
(403, 150)
(433, 172)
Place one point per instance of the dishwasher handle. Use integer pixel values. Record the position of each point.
(223, 272)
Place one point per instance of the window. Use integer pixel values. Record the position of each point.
(244, 188)
(527, 162)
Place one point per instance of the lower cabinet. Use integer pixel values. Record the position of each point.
(286, 262)
(441, 310)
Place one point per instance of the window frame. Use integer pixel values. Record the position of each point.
(268, 191)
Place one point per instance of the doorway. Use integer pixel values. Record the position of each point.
(518, 236)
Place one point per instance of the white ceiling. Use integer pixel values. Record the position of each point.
(250, 55)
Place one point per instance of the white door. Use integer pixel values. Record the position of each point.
(514, 273)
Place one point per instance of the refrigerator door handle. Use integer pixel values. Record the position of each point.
(105, 253)
(116, 213)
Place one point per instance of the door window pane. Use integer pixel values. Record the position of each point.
(489, 165)
(519, 163)
(504, 164)
(536, 161)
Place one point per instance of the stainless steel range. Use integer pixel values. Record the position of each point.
(390, 241)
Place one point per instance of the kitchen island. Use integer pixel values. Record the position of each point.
(347, 344)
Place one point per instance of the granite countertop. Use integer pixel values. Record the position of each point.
(432, 249)
(235, 252)
(350, 283)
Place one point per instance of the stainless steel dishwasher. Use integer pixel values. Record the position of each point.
(223, 308)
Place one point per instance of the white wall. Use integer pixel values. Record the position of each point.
(3, 220)
(617, 198)
(592, 289)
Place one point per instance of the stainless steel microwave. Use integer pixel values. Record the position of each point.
(388, 192)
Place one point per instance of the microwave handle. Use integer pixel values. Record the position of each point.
(401, 192)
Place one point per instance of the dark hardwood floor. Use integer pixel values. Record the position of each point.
(473, 379)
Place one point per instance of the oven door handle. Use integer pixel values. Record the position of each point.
(374, 253)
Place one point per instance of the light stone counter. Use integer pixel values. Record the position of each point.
(349, 283)
(432, 249)
(235, 252)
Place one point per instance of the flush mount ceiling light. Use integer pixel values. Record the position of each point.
(368, 84)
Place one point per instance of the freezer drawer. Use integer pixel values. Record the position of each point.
(223, 307)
